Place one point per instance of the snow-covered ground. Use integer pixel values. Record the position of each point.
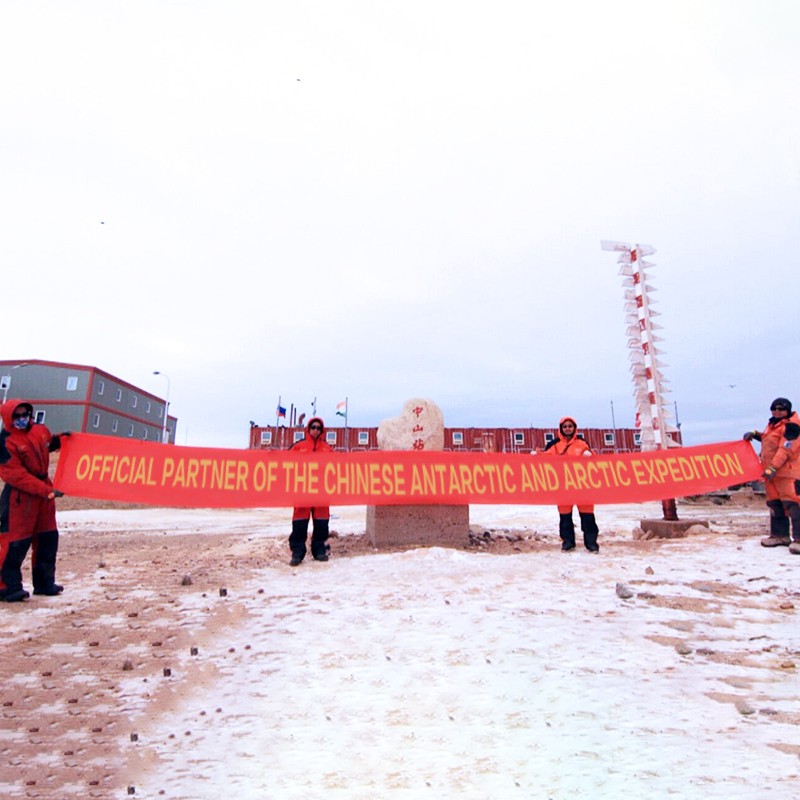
(448, 673)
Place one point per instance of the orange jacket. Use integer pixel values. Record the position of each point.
(561, 446)
(311, 445)
(772, 439)
(786, 459)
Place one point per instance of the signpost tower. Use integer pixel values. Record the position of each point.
(649, 385)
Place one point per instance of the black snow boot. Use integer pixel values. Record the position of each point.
(319, 538)
(11, 571)
(14, 595)
(566, 530)
(43, 563)
(50, 591)
(778, 525)
(297, 541)
(590, 531)
(793, 512)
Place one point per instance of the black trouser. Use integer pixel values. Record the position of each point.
(11, 569)
(566, 529)
(299, 534)
(43, 560)
(589, 528)
(297, 538)
(778, 519)
(792, 510)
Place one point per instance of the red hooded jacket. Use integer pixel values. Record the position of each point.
(311, 445)
(561, 446)
(25, 454)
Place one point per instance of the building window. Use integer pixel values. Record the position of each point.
(72, 383)
(145, 434)
(134, 401)
(519, 438)
(114, 426)
(119, 395)
(95, 420)
(458, 438)
(330, 437)
(101, 387)
(149, 406)
(548, 437)
(160, 412)
(39, 417)
(130, 429)
(637, 439)
(363, 438)
(608, 438)
(298, 436)
(266, 437)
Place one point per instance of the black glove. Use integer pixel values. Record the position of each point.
(750, 435)
(769, 473)
(55, 441)
(56, 493)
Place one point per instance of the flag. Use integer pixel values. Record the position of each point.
(281, 411)
(638, 421)
(341, 409)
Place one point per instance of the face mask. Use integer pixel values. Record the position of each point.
(21, 422)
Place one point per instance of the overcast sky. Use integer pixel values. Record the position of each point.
(384, 200)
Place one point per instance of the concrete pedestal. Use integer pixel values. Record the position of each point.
(669, 528)
(393, 526)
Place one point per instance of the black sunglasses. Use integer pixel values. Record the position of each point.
(778, 408)
(315, 427)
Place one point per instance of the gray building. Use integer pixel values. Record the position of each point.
(73, 397)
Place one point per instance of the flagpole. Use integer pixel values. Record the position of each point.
(340, 413)
(614, 426)
(277, 420)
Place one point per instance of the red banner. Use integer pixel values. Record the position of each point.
(111, 468)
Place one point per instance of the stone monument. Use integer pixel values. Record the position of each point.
(420, 426)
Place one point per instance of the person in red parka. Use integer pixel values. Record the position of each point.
(781, 473)
(569, 444)
(27, 503)
(784, 473)
(313, 442)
